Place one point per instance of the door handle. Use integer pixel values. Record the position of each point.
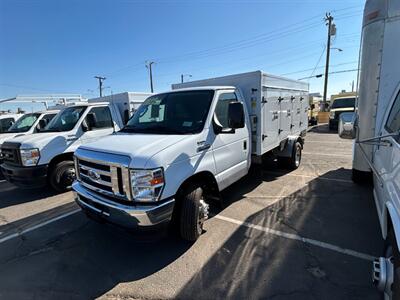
(201, 146)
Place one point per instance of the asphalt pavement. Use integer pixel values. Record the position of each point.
(304, 234)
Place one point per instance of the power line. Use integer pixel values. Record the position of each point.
(322, 75)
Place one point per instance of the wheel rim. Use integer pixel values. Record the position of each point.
(67, 177)
(298, 156)
(388, 289)
(203, 213)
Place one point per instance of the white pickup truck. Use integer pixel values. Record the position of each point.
(7, 120)
(185, 146)
(28, 124)
(376, 129)
(47, 157)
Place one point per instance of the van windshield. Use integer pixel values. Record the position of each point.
(65, 120)
(24, 123)
(172, 113)
(344, 102)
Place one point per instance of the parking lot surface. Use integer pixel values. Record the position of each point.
(304, 234)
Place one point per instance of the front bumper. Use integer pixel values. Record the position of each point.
(25, 177)
(131, 217)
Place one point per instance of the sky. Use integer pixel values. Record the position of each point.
(54, 47)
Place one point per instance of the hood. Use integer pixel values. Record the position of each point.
(6, 136)
(139, 147)
(36, 140)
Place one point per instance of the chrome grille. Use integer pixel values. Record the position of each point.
(106, 177)
(9, 153)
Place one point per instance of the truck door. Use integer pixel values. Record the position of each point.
(271, 116)
(99, 123)
(231, 150)
(387, 160)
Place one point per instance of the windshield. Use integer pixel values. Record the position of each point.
(24, 123)
(66, 119)
(172, 113)
(344, 102)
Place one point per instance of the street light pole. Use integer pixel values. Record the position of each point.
(148, 65)
(183, 76)
(329, 20)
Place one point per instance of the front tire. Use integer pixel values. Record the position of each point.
(62, 176)
(194, 212)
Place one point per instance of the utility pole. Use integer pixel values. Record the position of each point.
(329, 20)
(101, 79)
(148, 65)
(352, 86)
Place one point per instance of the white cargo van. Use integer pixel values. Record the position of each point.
(183, 147)
(377, 131)
(47, 157)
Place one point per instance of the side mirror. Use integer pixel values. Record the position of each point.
(347, 128)
(235, 115)
(312, 106)
(42, 124)
(89, 122)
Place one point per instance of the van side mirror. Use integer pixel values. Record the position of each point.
(235, 115)
(347, 129)
(89, 122)
(42, 124)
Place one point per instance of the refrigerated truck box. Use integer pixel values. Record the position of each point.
(278, 106)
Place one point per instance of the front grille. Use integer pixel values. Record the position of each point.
(10, 153)
(106, 178)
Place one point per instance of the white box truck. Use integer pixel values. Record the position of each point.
(184, 146)
(376, 128)
(47, 157)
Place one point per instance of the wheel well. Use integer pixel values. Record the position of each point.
(207, 182)
(59, 158)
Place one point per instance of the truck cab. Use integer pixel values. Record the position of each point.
(47, 157)
(28, 124)
(7, 120)
(339, 106)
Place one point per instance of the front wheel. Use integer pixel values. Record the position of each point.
(62, 175)
(194, 212)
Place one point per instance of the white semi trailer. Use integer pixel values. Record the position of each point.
(376, 128)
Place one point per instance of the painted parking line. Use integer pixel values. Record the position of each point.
(37, 226)
(297, 237)
(2, 181)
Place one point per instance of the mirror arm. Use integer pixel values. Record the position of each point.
(377, 140)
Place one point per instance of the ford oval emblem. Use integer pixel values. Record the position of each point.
(93, 175)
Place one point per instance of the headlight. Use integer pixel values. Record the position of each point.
(332, 115)
(29, 157)
(147, 185)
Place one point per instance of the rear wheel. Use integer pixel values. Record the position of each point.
(391, 252)
(292, 162)
(62, 176)
(194, 212)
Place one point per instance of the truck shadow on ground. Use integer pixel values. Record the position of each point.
(11, 195)
(253, 264)
(92, 259)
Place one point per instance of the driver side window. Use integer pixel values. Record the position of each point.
(393, 121)
(221, 110)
